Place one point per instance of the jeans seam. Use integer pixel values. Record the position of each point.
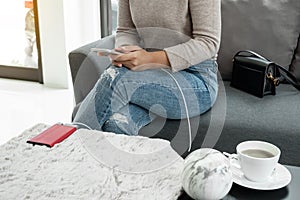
(166, 86)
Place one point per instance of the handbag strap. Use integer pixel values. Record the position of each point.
(288, 76)
(252, 54)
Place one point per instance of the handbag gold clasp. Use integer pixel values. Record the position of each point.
(275, 80)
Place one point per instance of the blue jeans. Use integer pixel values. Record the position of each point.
(123, 101)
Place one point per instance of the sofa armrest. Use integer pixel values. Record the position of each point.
(86, 67)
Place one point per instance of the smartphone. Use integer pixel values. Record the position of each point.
(106, 52)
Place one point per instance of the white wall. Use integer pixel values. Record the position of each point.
(82, 19)
(64, 26)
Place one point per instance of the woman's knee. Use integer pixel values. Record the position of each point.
(119, 124)
(111, 126)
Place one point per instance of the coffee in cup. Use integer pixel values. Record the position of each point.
(257, 159)
(257, 153)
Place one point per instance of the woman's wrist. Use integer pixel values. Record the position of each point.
(160, 57)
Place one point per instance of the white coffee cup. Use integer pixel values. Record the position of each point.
(257, 159)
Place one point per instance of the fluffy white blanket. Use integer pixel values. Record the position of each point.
(90, 165)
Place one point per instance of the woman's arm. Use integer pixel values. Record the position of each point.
(138, 59)
(135, 57)
(204, 44)
(206, 22)
(126, 31)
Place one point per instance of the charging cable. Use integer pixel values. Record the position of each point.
(81, 124)
(186, 108)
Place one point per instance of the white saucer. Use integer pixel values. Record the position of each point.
(281, 177)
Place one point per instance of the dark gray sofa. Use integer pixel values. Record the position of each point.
(270, 28)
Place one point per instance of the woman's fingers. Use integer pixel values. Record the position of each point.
(127, 49)
(117, 64)
(113, 57)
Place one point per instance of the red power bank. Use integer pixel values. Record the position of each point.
(52, 135)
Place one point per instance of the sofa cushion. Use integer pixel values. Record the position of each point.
(269, 27)
(295, 66)
(247, 117)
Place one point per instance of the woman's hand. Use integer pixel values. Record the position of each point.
(127, 49)
(123, 49)
(137, 59)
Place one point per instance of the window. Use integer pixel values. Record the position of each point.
(109, 15)
(19, 50)
(114, 13)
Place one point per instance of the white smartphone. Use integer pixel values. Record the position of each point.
(106, 52)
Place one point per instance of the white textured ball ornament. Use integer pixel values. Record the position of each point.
(206, 174)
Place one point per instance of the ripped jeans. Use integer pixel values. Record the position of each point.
(123, 101)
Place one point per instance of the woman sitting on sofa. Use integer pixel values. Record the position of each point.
(169, 51)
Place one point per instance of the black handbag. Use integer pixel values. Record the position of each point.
(257, 75)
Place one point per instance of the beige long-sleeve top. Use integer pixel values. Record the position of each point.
(188, 31)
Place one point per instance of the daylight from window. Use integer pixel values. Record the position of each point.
(114, 6)
(18, 40)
